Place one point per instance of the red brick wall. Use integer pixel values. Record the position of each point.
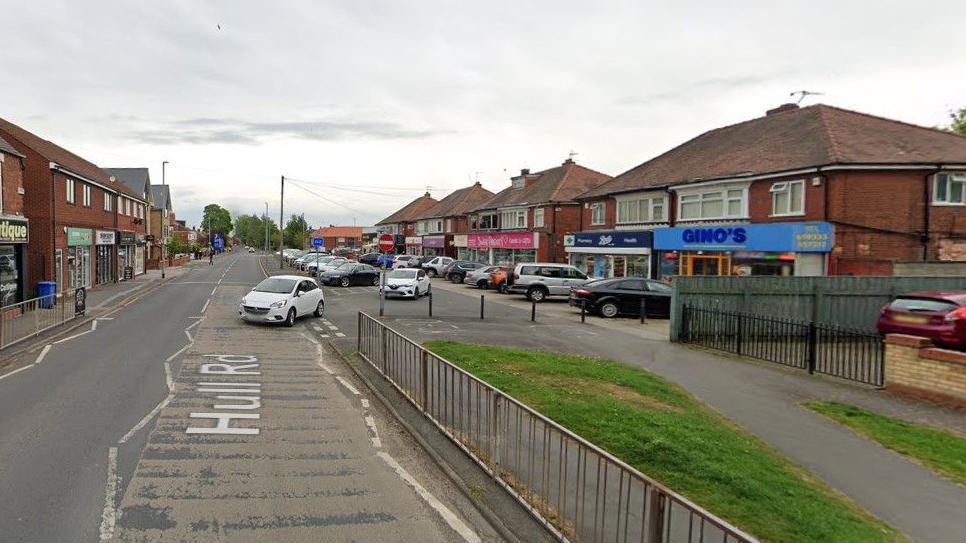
(760, 207)
(610, 215)
(461, 225)
(13, 168)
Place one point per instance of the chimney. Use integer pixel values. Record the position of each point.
(781, 109)
(427, 195)
(568, 161)
(525, 171)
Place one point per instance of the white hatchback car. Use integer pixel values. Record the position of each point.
(407, 282)
(282, 298)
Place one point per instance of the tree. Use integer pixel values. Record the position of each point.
(295, 231)
(957, 121)
(216, 220)
(250, 229)
(177, 246)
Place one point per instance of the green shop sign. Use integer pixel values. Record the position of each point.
(79, 236)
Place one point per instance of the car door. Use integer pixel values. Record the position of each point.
(570, 278)
(658, 298)
(302, 300)
(629, 293)
(312, 295)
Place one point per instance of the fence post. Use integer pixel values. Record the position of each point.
(358, 332)
(385, 351)
(533, 311)
(495, 430)
(812, 337)
(654, 527)
(685, 333)
(424, 381)
(37, 316)
(583, 311)
(738, 333)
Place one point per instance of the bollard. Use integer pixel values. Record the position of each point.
(481, 307)
(583, 312)
(643, 310)
(533, 311)
(382, 294)
(430, 303)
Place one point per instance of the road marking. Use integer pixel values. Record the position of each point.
(371, 423)
(330, 327)
(224, 419)
(167, 376)
(339, 334)
(326, 368)
(75, 336)
(213, 290)
(43, 353)
(105, 318)
(365, 403)
(145, 420)
(229, 365)
(192, 325)
(348, 385)
(109, 515)
(316, 328)
(451, 519)
(93, 325)
(18, 370)
(208, 301)
(308, 337)
(179, 351)
(190, 339)
(323, 335)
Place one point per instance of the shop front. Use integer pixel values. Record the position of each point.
(126, 252)
(465, 253)
(104, 242)
(79, 243)
(611, 253)
(139, 248)
(784, 249)
(503, 248)
(434, 245)
(14, 234)
(414, 245)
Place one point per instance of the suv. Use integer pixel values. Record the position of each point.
(538, 280)
(435, 266)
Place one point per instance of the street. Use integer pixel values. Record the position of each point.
(200, 427)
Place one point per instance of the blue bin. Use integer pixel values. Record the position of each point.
(47, 291)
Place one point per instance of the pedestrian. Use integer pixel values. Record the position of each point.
(211, 258)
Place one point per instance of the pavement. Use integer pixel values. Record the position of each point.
(167, 419)
(763, 398)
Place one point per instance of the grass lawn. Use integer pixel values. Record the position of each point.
(666, 433)
(943, 452)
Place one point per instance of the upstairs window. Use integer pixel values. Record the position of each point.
(107, 201)
(715, 204)
(513, 218)
(538, 217)
(788, 198)
(949, 188)
(638, 210)
(449, 225)
(487, 221)
(70, 191)
(87, 195)
(597, 214)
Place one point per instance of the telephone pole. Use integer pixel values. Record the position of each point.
(281, 218)
(265, 218)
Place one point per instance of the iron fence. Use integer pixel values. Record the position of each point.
(842, 352)
(28, 318)
(580, 492)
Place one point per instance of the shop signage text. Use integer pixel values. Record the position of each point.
(104, 237)
(126, 238)
(459, 240)
(502, 240)
(434, 241)
(810, 237)
(13, 231)
(414, 240)
(79, 236)
(615, 239)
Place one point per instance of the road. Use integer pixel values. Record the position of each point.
(109, 435)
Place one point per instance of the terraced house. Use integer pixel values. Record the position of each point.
(14, 226)
(402, 224)
(443, 227)
(800, 191)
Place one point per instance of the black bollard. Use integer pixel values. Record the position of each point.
(533, 311)
(481, 307)
(430, 303)
(583, 312)
(643, 310)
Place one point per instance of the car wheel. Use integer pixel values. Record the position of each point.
(501, 288)
(344, 281)
(290, 318)
(536, 294)
(481, 284)
(608, 310)
(375, 281)
(416, 294)
(319, 309)
(432, 272)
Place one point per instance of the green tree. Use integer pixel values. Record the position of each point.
(177, 246)
(216, 220)
(250, 229)
(957, 121)
(296, 231)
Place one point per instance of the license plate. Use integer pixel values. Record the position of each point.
(910, 319)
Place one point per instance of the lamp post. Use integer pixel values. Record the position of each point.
(265, 219)
(164, 219)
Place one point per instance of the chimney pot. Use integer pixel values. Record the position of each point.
(781, 109)
(525, 171)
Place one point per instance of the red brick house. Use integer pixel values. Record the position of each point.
(528, 220)
(14, 227)
(873, 191)
(334, 237)
(402, 224)
(85, 225)
(443, 227)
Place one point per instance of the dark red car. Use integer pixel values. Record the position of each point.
(940, 316)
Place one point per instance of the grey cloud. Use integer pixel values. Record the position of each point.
(702, 87)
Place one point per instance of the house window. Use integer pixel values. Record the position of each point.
(127, 207)
(107, 201)
(717, 204)
(87, 195)
(513, 218)
(487, 221)
(70, 191)
(597, 214)
(637, 210)
(437, 225)
(950, 188)
(788, 198)
(449, 225)
(538, 217)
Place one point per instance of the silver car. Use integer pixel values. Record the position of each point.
(538, 280)
(479, 277)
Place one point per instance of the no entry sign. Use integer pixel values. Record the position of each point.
(386, 242)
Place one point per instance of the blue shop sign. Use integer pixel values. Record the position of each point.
(617, 239)
(796, 237)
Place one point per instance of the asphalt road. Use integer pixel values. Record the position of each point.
(106, 437)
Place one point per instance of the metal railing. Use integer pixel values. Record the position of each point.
(28, 318)
(578, 491)
(841, 352)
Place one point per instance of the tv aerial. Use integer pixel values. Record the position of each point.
(803, 93)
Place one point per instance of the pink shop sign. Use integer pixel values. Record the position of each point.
(503, 240)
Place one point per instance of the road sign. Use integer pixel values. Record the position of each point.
(317, 242)
(219, 242)
(386, 242)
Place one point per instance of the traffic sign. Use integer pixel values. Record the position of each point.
(317, 242)
(386, 242)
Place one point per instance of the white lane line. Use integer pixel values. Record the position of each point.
(146, 418)
(330, 327)
(371, 423)
(85, 332)
(18, 370)
(316, 328)
(213, 290)
(192, 325)
(451, 519)
(109, 515)
(208, 301)
(308, 337)
(43, 353)
(323, 335)
(105, 318)
(339, 334)
(179, 351)
(326, 368)
(93, 325)
(190, 339)
(167, 376)
(348, 385)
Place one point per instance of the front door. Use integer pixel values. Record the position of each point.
(708, 264)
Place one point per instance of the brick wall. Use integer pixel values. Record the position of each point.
(610, 214)
(12, 184)
(914, 367)
(760, 200)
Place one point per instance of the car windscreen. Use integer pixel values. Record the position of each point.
(275, 285)
(402, 274)
(345, 266)
(922, 304)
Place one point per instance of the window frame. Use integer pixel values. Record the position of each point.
(85, 195)
(108, 206)
(516, 216)
(598, 208)
(492, 216)
(538, 213)
(639, 209)
(710, 195)
(948, 179)
(71, 191)
(786, 188)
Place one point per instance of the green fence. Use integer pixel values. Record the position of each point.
(852, 302)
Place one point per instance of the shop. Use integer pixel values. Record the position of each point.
(783, 249)
(126, 253)
(611, 253)
(14, 234)
(434, 245)
(79, 242)
(414, 245)
(503, 248)
(142, 241)
(104, 241)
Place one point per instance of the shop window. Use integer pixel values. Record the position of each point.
(9, 276)
(717, 204)
(70, 191)
(597, 214)
(788, 198)
(950, 188)
(538, 217)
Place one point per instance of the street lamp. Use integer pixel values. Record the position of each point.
(164, 220)
(265, 219)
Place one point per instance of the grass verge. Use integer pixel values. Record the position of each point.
(941, 451)
(664, 432)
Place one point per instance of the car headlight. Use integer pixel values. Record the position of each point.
(243, 301)
(278, 304)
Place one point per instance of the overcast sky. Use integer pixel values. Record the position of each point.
(368, 103)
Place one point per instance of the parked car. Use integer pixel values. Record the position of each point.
(330, 265)
(351, 273)
(404, 261)
(939, 316)
(313, 266)
(303, 261)
(501, 279)
(371, 259)
(282, 298)
(435, 266)
(251, 249)
(480, 277)
(622, 296)
(407, 282)
(457, 270)
(538, 280)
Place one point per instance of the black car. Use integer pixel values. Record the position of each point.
(351, 273)
(456, 271)
(622, 296)
(371, 259)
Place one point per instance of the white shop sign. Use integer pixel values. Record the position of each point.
(105, 237)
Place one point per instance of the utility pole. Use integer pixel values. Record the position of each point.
(281, 218)
(164, 221)
(265, 218)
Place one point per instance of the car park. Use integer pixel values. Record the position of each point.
(456, 270)
(939, 316)
(313, 267)
(302, 261)
(539, 280)
(351, 273)
(436, 265)
(282, 298)
(623, 296)
(407, 282)
(479, 277)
